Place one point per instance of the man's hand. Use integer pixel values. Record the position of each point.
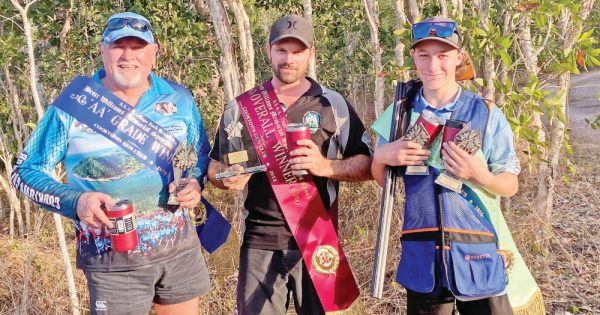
(90, 212)
(190, 195)
(310, 158)
(465, 166)
(400, 153)
(236, 182)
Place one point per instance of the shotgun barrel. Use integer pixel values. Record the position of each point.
(400, 123)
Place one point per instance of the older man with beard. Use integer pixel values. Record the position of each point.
(275, 258)
(101, 171)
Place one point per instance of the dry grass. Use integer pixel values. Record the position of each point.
(565, 264)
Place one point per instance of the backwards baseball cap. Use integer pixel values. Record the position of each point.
(437, 28)
(292, 26)
(125, 25)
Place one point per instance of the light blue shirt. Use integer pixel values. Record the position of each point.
(498, 148)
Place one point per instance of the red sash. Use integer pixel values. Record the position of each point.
(299, 200)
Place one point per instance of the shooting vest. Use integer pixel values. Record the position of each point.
(461, 241)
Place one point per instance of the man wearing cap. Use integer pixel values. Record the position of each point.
(169, 273)
(457, 251)
(290, 243)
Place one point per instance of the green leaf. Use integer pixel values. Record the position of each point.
(506, 60)
(480, 32)
(504, 42)
(479, 81)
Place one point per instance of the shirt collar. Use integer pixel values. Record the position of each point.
(157, 84)
(421, 103)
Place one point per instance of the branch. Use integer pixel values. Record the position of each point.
(30, 56)
(545, 42)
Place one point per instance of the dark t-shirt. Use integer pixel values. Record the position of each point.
(335, 128)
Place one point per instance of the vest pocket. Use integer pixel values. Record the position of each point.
(416, 270)
(475, 270)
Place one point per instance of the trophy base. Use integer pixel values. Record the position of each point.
(173, 200)
(248, 170)
(417, 170)
(449, 182)
(197, 215)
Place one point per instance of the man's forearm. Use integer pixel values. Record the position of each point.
(378, 172)
(352, 169)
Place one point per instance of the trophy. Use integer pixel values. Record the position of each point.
(236, 147)
(465, 138)
(184, 161)
(427, 127)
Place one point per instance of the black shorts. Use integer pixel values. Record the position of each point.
(418, 304)
(132, 292)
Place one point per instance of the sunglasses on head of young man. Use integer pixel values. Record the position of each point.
(438, 29)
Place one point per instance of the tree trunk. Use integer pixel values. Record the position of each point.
(312, 70)
(372, 12)
(454, 6)
(414, 13)
(444, 8)
(67, 263)
(399, 48)
(13, 200)
(506, 29)
(569, 32)
(460, 10)
(15, 208)
(30, 56)
(531, 64)
(229, 66)
(246, 45)
(487, 63)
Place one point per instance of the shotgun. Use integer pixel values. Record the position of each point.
(405, 92)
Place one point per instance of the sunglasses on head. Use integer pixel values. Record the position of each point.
(439, 29)
(133, 23)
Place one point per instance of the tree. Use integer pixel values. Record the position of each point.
(312, 71)
(372, 13)
(570, 26)
(229, 66)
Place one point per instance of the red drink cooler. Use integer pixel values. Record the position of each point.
(295, 132)
(123, 235)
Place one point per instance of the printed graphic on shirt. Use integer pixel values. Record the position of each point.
(313, 120)
(165, 108)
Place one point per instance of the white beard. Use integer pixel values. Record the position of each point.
(131, 82)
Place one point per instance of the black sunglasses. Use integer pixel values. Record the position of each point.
(134, 23)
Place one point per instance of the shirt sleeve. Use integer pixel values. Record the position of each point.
(32, 174)
(498, 145)
(355, 139)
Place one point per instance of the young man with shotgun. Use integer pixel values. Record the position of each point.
(456, 160)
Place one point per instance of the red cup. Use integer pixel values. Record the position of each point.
(451, 129)
(293, 133)
(123, 235)
(433, 128)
